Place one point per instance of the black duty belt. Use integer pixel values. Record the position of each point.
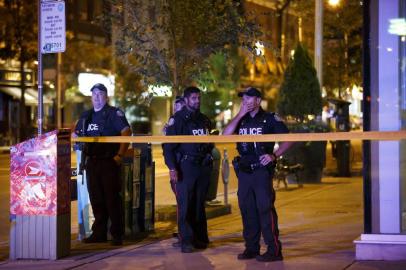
(197, 159)
(249, 167)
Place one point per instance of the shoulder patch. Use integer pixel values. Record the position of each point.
(120, 113)
(277, 117)
(171, 121)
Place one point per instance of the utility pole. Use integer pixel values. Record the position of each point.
(59, 110)
(318, 40)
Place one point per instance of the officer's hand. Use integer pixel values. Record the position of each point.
(244, 109)
(117, 159)
(265, 159)
(173, 176)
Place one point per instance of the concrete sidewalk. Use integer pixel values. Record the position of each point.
(318, 224)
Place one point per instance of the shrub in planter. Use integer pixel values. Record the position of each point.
(299, 97)
(311, 154)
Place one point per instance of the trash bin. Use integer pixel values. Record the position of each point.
(40, 197)
(343, 158)
(214, 176)
(342, 148)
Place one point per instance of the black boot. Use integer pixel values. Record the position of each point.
(269, 257)
(247, 255)
(94, 239)
(186, 248)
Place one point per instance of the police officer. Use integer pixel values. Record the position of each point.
(190, 165)
(254, 169)
(103, 164)
(177, 106)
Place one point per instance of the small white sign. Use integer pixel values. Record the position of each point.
(53, 34)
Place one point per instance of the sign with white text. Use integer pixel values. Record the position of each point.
(53, 30)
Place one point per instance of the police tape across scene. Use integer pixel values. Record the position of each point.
(291, 137)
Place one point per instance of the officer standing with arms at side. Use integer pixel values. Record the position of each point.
(103, 165)
(177, 106)
(255, 169)
(190, 165)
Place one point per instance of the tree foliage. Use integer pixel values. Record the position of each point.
(343, 45)
(171, 39)
(220, 79)
(342, 41)
(20, 42)
(300, 93)
(20, 35)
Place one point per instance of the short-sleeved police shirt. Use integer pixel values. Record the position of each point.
(185, 122)
(262, 123)
(109, 121)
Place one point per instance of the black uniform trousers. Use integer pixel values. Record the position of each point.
(256, 198)
(191, 192)
(103, 180)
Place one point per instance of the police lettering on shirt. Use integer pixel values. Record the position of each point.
(262, 123)
(250, 131)
(200, 132)
(92, 127)
(185, 122)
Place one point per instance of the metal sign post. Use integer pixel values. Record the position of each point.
(51, 39)
(40, 101)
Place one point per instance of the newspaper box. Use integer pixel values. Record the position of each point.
(40, 197)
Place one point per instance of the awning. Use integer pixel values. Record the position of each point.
(31, 96)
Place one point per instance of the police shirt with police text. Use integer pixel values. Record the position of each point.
(185, 122)
(109, 121)
(262, 123)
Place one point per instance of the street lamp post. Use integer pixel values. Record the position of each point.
(318, 40)
(318, 37)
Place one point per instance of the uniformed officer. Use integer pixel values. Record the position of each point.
(102, 165)
(254, 169)
(177, 106)
(190, 165)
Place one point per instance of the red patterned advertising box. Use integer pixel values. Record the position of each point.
(40, 175)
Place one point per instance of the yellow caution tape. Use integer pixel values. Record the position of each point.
(291, 137)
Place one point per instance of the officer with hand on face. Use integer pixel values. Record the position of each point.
(190, 165)
(103, 164)
(254, 169)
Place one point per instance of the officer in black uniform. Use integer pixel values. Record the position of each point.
(190, 165)
(178, 104)
(254, 168)
(103, 164)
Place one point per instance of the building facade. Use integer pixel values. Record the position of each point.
(384, 236)
(83, 24)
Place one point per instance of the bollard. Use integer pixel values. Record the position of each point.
(225, 173)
